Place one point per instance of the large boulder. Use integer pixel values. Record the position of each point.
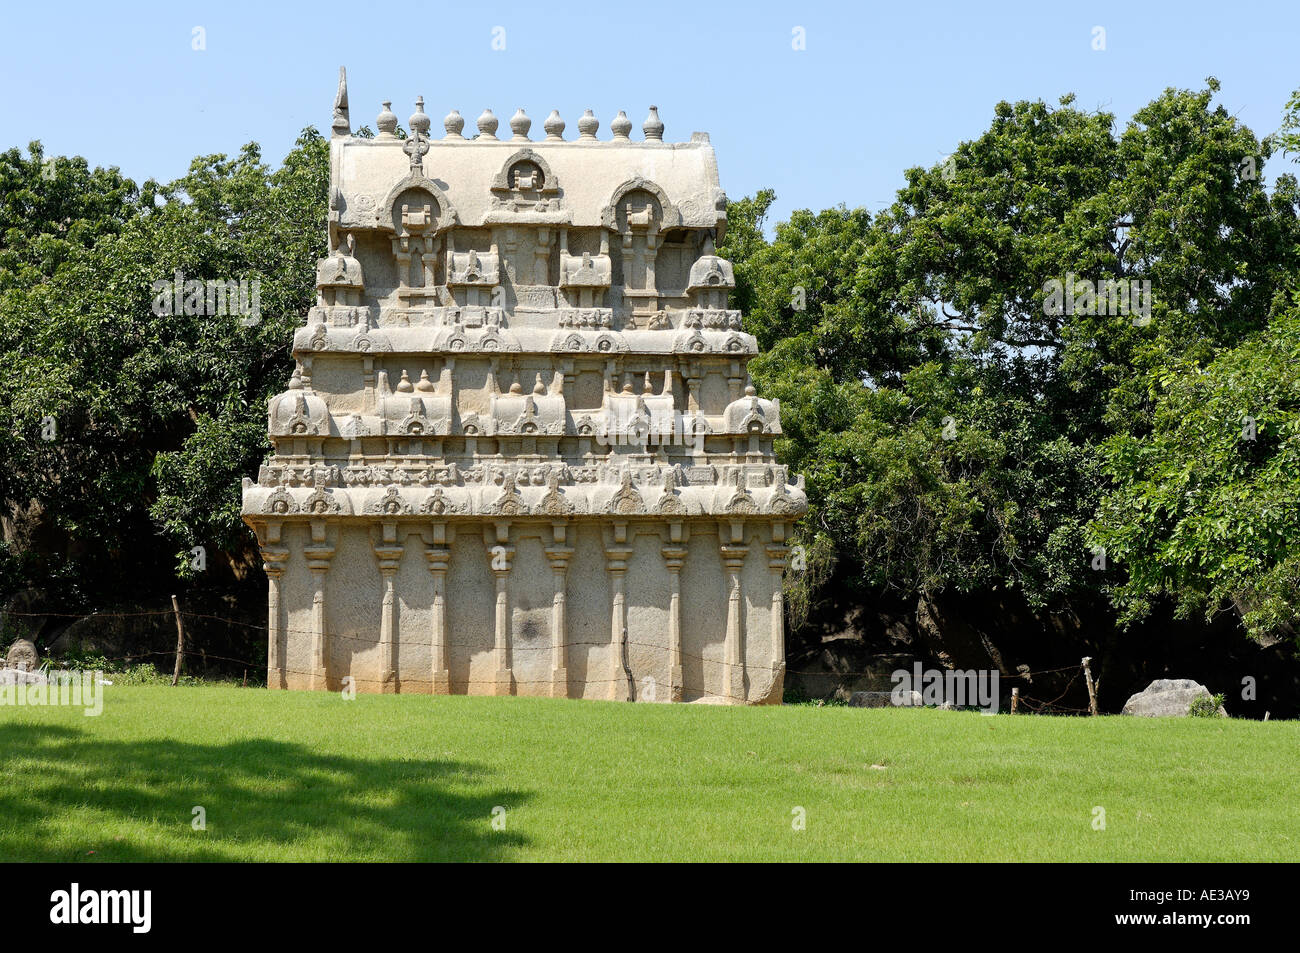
(23, 655)
(1167, 698)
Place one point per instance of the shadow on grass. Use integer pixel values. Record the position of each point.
(68, 794)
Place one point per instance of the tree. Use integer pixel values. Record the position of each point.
(1206, 505)
(949, 415)
(125, 418)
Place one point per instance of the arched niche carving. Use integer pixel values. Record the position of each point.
(528, 173)
(665, 213)
(417, 205)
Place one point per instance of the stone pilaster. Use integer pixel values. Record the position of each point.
(559, 556)
(674, 556)
(389, 554)
(500, 555)
(274, 558)
(777, 554)
(616, 557)
(733, 557)
(319, 554)
(440, 672)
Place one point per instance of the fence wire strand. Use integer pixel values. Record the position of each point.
(1037, 706)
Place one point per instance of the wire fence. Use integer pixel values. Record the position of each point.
(1033, 705)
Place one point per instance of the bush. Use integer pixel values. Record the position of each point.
(1206, 707)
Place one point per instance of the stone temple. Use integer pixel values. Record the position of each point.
(520, 452)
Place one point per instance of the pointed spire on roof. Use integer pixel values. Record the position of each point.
(342, 125)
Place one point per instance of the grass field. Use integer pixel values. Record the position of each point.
(302, 776)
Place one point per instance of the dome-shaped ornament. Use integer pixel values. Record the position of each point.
(487, 125)
(554, 125)
(454, 123)
(387, 121)
(587, 125)
(653, 127)
(621, 126)
(419, 121)
(519, 125)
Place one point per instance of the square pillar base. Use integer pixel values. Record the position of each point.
(736, 682)
(505, 682)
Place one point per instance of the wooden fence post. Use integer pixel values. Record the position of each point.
(1015, 699)
(1092, 686)
(180, 642)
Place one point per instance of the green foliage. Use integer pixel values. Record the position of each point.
(956, 431)
(1206, 706)
(1206, 503)
(154, 417)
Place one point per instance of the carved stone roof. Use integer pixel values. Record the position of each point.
(471, 175)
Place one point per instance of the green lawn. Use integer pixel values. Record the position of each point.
(304, 776)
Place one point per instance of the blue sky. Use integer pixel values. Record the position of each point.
(879, 87)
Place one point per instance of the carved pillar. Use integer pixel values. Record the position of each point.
(777, 552)
(559, 556)
(439, 556)
(499, 556)
(736, 380)
(674, 555)
(616, 557)
(389, 553)
(692, 377)
(274, 558)
(542, 257)
(733, 557)
(318, 556)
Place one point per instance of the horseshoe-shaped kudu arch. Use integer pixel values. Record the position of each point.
(520, 452)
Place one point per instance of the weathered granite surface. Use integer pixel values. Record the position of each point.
(1167, 698)
(23, 655)
(520, 452)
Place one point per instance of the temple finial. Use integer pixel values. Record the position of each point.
(387, 121)
(342, 125)
(653, 127)
(519, 126)
(621, 127)
(419, 121)
(554, 126)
